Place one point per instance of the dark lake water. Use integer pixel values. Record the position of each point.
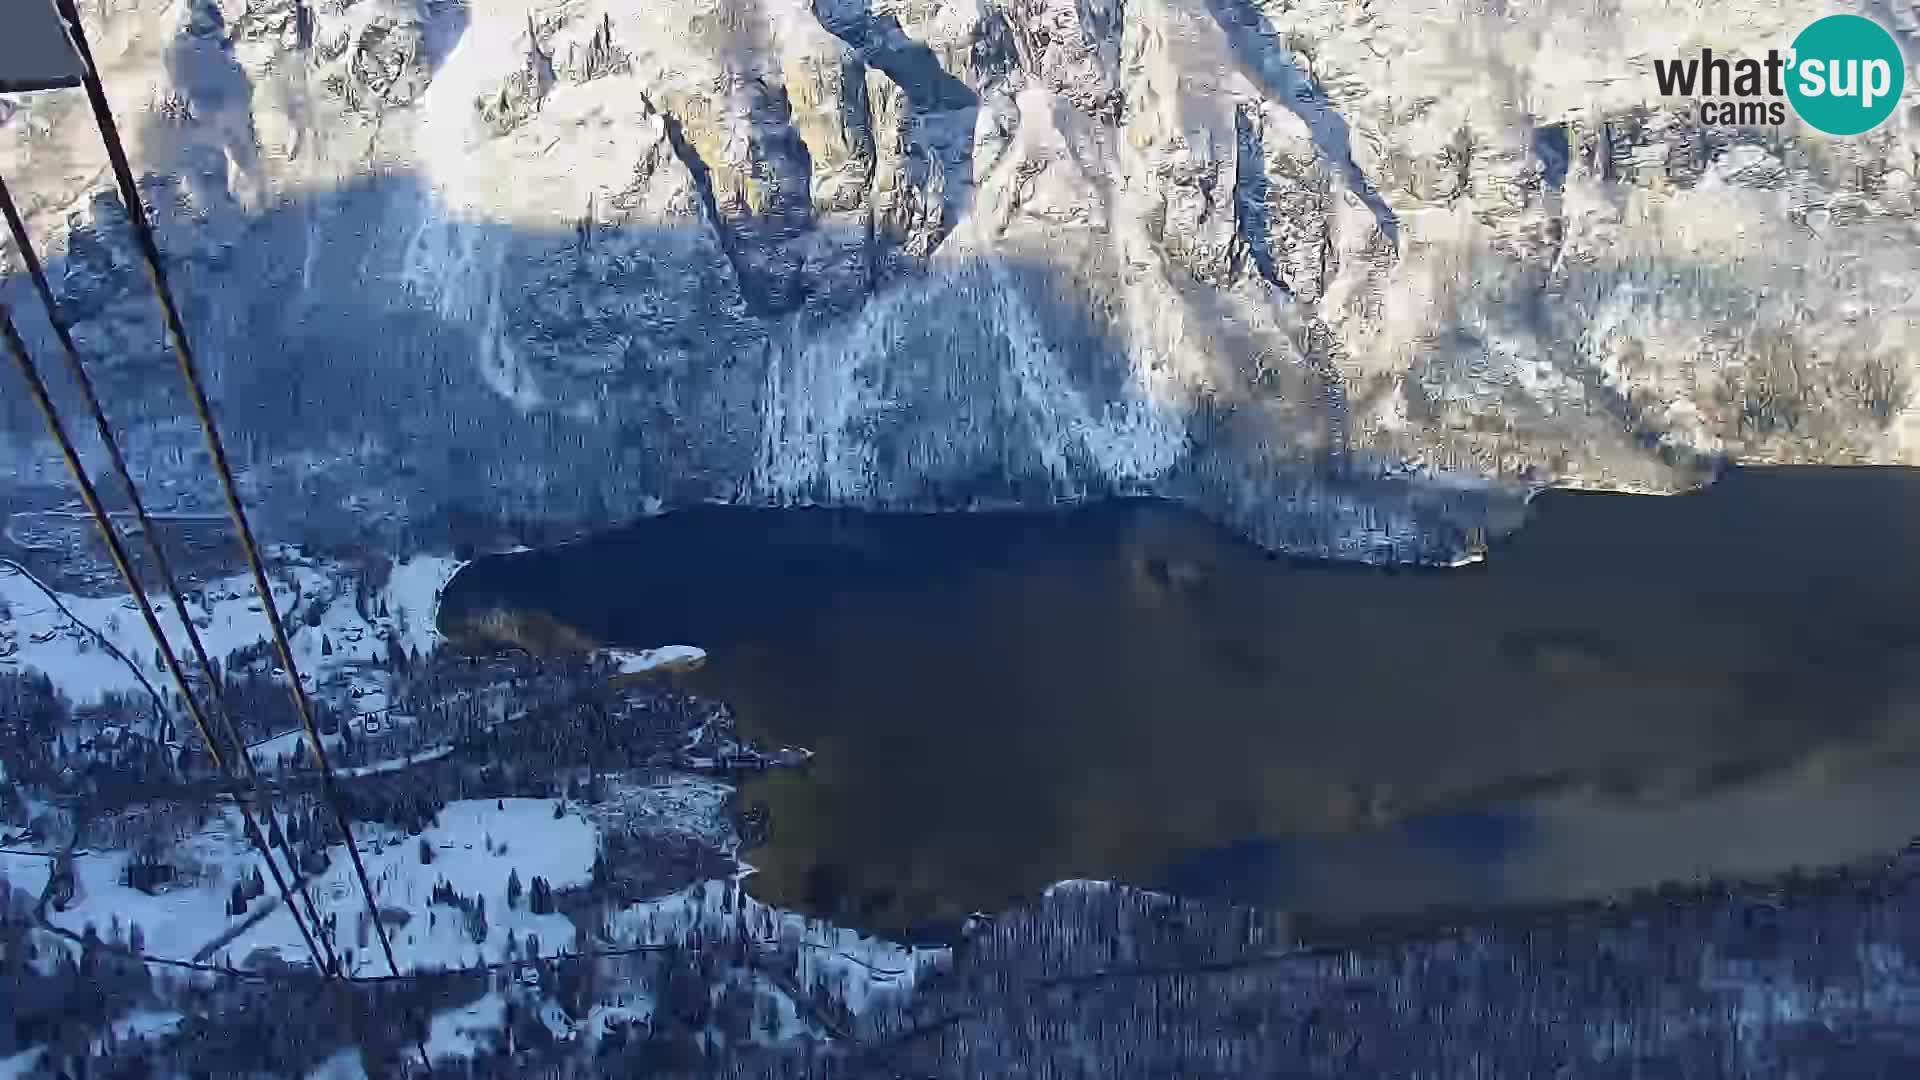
(1632, 690)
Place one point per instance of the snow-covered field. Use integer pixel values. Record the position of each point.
(859, 971)
(176, 921)
(467, 1030)
(38, 637)
(862, 969)
(475, 847)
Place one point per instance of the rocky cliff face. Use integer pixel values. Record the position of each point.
(1351, 276)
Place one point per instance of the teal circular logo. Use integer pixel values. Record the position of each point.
(1846, 74)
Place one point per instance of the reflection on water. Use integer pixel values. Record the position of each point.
(1622, 696)
(1568, 846)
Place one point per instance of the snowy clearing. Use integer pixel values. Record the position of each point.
(229, 616)
(474, 848)
(176, 920)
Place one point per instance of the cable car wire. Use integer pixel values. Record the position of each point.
(37, 387)
(151, 533)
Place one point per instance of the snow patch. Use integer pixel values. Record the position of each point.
(25, 873)
(555, 1019)
(176, 920)
(147, 1024)
(602, 1019)
(291, 744)
(467, 1031)
(21, 1064)
(339, 649)
(375, 768)
(665, 658)
(413, 599)
(345, 1064)
(1096, 885)
(475, 846)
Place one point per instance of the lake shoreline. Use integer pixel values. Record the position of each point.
(1001, 700)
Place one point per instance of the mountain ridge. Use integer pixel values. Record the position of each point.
(1354, 281)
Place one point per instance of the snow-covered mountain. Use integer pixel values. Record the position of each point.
(1351, 276)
